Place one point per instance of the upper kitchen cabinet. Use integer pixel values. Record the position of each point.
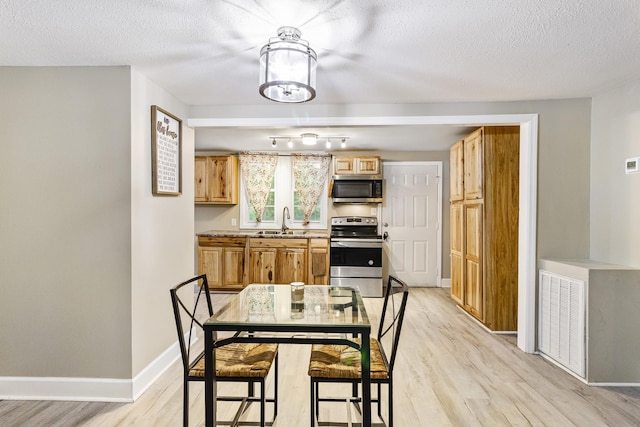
(216, 180)
(456, 188)
(473, 165)
(360, 165)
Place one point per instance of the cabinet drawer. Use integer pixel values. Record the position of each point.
(231, 242)
(278, 243)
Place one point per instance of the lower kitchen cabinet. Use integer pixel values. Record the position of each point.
(277, 260)
(231, 263)
(457, 265)
(222, 259)
(474, 288)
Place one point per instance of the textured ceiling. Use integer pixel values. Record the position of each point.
(369, 52)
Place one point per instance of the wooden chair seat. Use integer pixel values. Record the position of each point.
(240, 360)
(342, 361)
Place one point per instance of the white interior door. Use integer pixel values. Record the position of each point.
(411, 218)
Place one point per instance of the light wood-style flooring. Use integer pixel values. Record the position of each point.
(449, 372)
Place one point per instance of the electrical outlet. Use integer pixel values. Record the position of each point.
(233, 222)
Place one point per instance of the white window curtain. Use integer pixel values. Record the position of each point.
(257, 170)
(310, 173)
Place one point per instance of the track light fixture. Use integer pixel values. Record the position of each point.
(309, 139)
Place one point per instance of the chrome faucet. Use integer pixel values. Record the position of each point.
(284, 226)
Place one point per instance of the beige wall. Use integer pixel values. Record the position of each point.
(65, 251)
(161, 229)
(615, 201)
(87, 255)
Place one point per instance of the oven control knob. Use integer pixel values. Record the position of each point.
(370, 262)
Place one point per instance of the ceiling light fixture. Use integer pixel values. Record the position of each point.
(309, 139)
(288, 68)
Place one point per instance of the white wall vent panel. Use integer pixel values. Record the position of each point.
(561, 329)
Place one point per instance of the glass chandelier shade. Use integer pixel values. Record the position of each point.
(288, 68)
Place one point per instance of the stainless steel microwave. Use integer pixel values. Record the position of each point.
(356, 189)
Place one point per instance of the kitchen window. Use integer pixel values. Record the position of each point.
(282, 194)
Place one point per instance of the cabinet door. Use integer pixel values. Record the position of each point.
(233, 272)
(457, 267)
(344, 165)
(200, 179)
(210, 263)
(262, 268)
(291, 265)
(474, 289)
(367, 165)
(318, 273)
(456, 174)
(473, 165)
(222, 179)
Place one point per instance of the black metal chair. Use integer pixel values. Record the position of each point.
(236, 362)
(341, 363)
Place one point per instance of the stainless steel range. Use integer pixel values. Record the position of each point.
(356, 254)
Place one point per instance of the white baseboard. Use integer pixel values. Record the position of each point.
(445, 283)
(584, 380)
(88, 389)
(74, 389)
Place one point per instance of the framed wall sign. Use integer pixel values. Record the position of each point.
(166, 152)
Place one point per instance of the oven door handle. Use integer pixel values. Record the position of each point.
(356, 243)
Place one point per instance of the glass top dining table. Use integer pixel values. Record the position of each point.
(272, 314)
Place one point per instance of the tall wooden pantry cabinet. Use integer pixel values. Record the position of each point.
(484, 225)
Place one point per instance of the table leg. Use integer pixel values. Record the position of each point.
(365, 358)
(209, 378)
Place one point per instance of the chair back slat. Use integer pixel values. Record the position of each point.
(393, 315)
(186, 312)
